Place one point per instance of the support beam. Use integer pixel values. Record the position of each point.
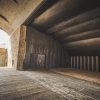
(83, 27)
(82, 36)
(43, 6)
(87, 46)
(89, 15)
(4, 18)
(63, 10)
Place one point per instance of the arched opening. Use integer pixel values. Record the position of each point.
(5, 49)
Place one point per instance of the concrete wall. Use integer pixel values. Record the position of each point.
(3, 57)
(43, 51)
(15, 46)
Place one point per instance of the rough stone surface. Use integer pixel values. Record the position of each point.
(44, 85)
(14, 47)
(3, 57)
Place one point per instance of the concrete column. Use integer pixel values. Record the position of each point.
(97, 64)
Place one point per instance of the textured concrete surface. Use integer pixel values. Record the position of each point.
(44, 85)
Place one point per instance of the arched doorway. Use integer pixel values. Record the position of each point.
(5, 49)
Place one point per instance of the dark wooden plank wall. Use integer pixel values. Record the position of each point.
(39, 43)
(87, 63)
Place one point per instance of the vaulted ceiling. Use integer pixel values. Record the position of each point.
(14, 12)
(75, 23)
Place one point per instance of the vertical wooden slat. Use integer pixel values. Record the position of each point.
(92, 63)
(77, 62)
(84, 62)
(71, 61)
(81, 62)
(97, 64)
(74, 63)
(88, 63)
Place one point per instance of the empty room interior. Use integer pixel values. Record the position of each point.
(49, 49)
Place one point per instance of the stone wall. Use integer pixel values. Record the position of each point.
(22, 47)
(15, 46)
(3, 57)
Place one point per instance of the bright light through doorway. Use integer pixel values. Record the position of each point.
(5, 43)
(4, 39)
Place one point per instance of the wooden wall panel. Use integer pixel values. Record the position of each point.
(87, 63)
(38, 43)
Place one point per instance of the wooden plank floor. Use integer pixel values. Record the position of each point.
(81, 74)
(14, 85)
(42, 85)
